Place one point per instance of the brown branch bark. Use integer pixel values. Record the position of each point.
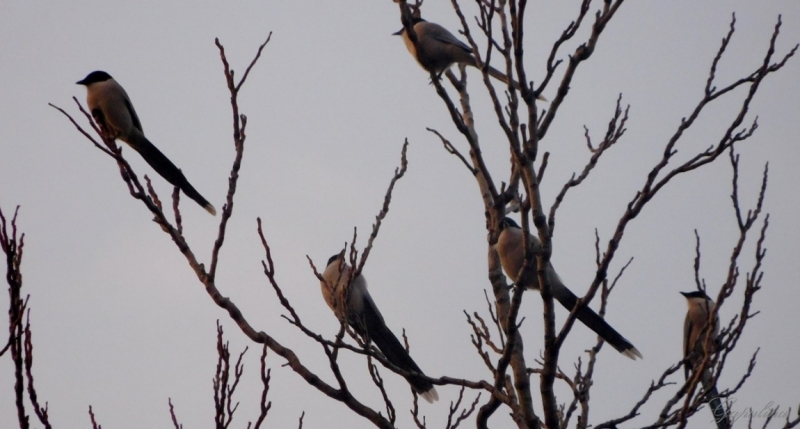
(12, 245)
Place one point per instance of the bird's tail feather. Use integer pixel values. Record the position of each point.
(393, 350)
(717, 409)
(395, 353)
(497, 74)
(164, 167)
(430, 395)
(594, 322)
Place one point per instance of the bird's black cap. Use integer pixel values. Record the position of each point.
(695, 294)
(508, 222)
(414, 21)
(93, 77)
(335, 257)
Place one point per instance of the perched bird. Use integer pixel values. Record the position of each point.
(363, 316)
(112, 110)
(695, 332)
(439, 49)
(512, 258)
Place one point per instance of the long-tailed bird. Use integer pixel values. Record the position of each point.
(439, 49)
(512, 258)
(695, 332)
(361, 314)
(111, 108)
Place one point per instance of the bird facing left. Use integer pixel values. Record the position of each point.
(437, 49)
(113, 112)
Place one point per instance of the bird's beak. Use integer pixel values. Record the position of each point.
(399, 32)
(685, 294)
(80, 82)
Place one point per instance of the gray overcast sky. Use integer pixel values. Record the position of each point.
(120, 322)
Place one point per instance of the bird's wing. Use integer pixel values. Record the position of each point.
(441, 34)
(451, 40)
(688, 326)
(134, 116)
(371, 318)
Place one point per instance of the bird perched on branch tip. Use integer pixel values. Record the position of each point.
(113, 111)
(437, 49)
(695, 338)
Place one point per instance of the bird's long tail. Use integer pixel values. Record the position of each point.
(387, 342)
(497, 74)
(594, 322)
(717, 409)
(164, 167)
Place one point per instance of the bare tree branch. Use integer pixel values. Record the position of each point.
(387, 199)
(175, 423)
(13, 245)
(264, 405)
(94, 422)
(41, 412)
